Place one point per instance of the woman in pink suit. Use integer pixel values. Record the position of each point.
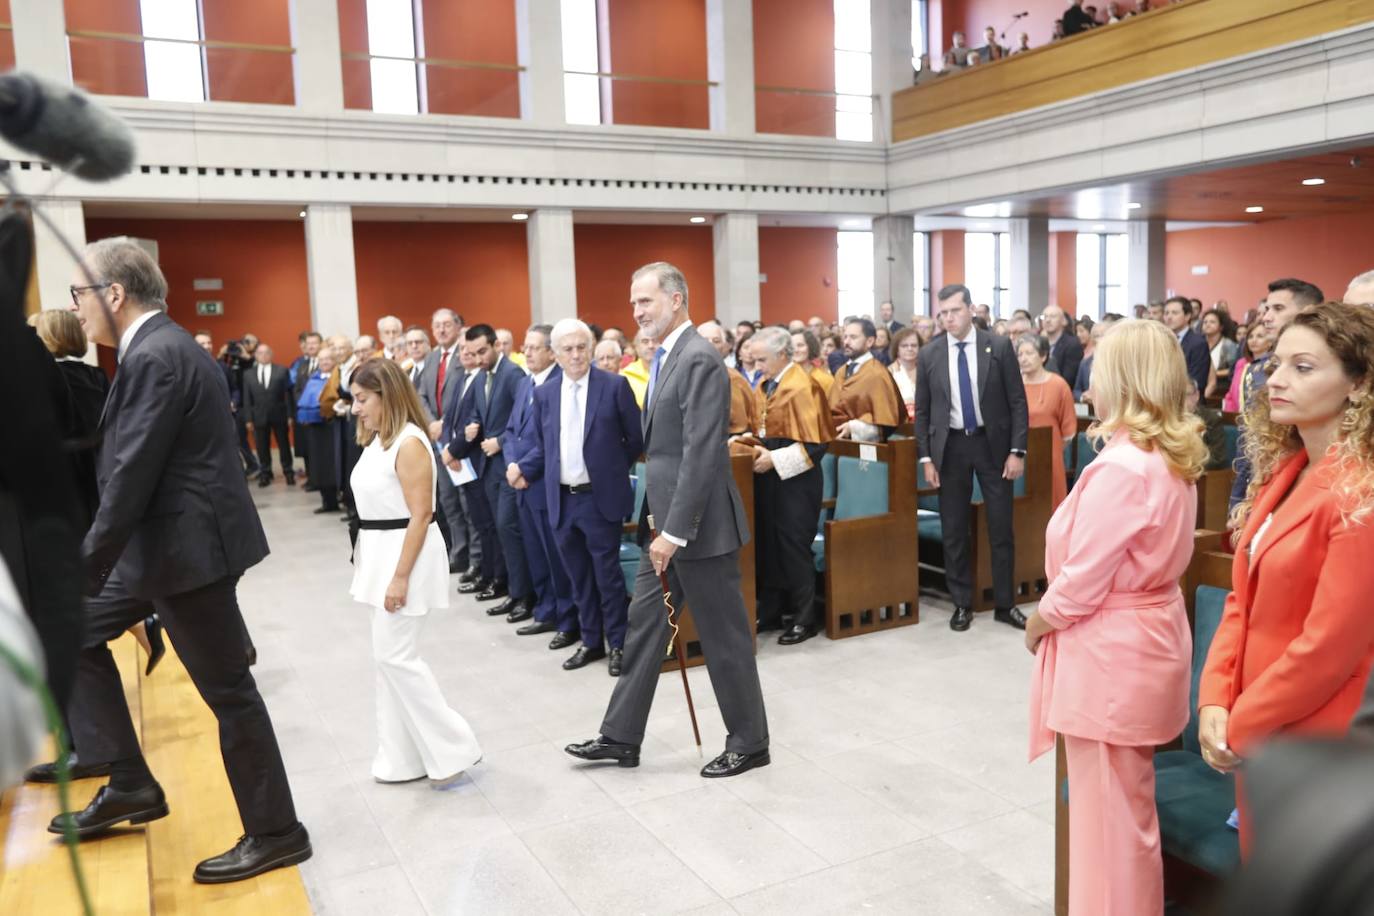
(1111, 634)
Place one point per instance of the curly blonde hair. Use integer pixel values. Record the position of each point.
(1140, 384)
(1348, 331)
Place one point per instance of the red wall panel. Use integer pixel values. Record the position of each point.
(801, 265)
(794, 47)
(102, 66)
(666, 38)
(249, 76)
(471, 31)
(606, 256)
(357, 74)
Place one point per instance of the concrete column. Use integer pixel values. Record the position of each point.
(318, 61)
(737, 268)
(54, 262)
(730, 64)
(1144, 261)
(1030, 264)
(553, 269)
(40, 39)
(894, 273)
(330, 265)
(891, 60)
(539, 44)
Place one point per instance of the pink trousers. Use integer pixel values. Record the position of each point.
(1115, 867)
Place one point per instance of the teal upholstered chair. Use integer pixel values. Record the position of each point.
(1193, 799)
(1232, 433)
(860, 490)
(629, 548)
(928, 509)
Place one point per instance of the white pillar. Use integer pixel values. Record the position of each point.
(891, 60)
(331, 269)
(1030, 264)
(40, 39)
(736, 238)
(318, 61)
(56, 268)
(539, 43)
(894, 275)
(553, 269)
(730, 64)
(1144, 261)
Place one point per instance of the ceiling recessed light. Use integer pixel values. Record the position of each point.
(302, 214)
(1254, 209)
(520, 216)
(697, 219)
(1133, 206)
(1313, 181)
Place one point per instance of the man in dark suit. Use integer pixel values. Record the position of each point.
(1065, 350)
(178, 525)
(267, 404)
(886, 320)
(971, 419)
(587, 437)
(698, 528)
(483, 427)
(554, 610)
(440, 381)
(483, 546)
(1178, 315)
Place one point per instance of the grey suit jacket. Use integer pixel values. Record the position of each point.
(688, 485)
(1001, 396)
(429, 378)
(175, 513)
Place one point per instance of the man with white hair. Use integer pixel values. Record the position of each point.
(390, 331)
(608, 355)
(588, 436)
(1361, 290)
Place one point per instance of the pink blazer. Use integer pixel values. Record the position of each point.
(1116, 668)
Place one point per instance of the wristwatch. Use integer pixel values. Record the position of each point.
(1019, 452)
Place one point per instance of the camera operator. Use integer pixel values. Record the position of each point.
(236, 357)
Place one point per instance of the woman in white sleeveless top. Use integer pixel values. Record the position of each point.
(400, 568)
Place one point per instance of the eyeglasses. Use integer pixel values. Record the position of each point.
(76, 291)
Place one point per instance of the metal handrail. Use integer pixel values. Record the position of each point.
(828, 93)
(436, 61)
(634, 78)
(201, 43)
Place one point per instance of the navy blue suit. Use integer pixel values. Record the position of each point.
(492, 413)
(552, 588)
(1198, 357)
(479, 512)
(587, 525)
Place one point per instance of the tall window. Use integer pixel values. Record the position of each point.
(1102, 266)
(175, 68)
(987, 269)
(855, 273)
(391, 34)
(920, 268)
(919, 44)
(853, 71)
(581, 63)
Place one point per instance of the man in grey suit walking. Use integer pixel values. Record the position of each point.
(701, 525)
(440, 382)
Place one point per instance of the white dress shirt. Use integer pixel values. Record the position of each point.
(956, 402)
(264, 374)
(572, 425)
(128, 336)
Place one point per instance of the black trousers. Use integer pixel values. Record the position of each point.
(208, 632)
(965, 456)
(250, 461)
(263, 433)
(786, 513)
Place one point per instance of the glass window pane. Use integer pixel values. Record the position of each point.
(581, 98)
(174, 71)
(1116, 259)
(853, 28)
(918, 272)
(393, 87)
(853, 73)
(980, 265)
(1003, 303)
(1088, 279)
(853, 125)
(856, 302)
(390, 29)
(170, 19)
(858, 103)
(579, 38)
(1116, 301)
(918, 32)
(855, 263)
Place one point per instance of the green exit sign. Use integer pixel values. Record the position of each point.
(210, 307)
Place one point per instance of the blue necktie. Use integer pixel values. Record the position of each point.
(966, 389)
(653, 376)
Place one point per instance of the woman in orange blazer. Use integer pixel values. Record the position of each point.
(1294, 648)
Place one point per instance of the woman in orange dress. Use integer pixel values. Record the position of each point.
(1049, 402)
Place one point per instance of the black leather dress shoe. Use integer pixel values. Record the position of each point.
(534, 629)
(326, 510)
(264, 482)
(961, 619)
(733, 764)
(472, 586)
(505, 607)
(599, 748)
(253, 855)
(471, 574)
(47, 772)
(290, 480)
(310, 488)
(796, 634)
(583, 657)
(1012, 616)
(562, 640)
(523, 611)
(111, 807)
(157, 646)
(493, 591)
(617, 659)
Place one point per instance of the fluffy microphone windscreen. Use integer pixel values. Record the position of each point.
(63, 126)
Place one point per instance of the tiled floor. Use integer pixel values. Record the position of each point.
(899, 781)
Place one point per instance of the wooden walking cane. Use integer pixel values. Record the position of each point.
(675, 641)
